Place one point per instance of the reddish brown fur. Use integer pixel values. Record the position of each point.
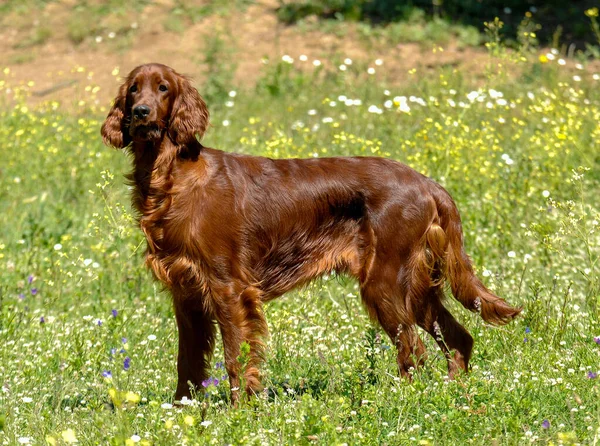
(228, 232)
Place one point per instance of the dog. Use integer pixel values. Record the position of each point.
(228, 232)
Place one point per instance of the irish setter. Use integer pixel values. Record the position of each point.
(227, 233)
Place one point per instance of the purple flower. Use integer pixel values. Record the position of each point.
(219, 365)
(215, 382)
(114, 312)
(527, 330)
(21, 296)
(592, 375)
(127, 363)
(34, 291)
(224, 377)
(107, 374)
(99, 322)
(525, 340)
(206, 382)
(545, 424)
(42, 320)
(113, 351)
(124, 340)
(30, 279)
(597, 340)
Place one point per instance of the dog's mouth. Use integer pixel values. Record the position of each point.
(145, 132)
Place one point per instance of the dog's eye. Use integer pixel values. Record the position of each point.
(133, 89)
(163, 88)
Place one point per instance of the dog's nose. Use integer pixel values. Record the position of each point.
(141, 111)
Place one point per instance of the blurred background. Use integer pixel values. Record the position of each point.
(61, 45)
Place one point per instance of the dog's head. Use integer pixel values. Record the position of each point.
(155, 101)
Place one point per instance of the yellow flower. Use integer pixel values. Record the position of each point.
(189, 420)
(132, 397)
(168, 424)
(50, 440)
(592, 12)
(543, 58)
(69, 436)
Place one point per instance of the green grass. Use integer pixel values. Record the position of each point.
(513, 154)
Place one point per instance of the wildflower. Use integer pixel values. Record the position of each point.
(189, 420)
(219, 365)
(27, 399)
(34, 291)
(30, 279)
(543, 58)
(69, 436)
(132, 397)
(114, 312)
(24, 440)
(168, 424)
(545, 424)
(592, 375)
(106, 374)
(527, 330)
(206, 423)
(597, 339)
(511, 254)
(99, 322)
(127, 363)
(57, 247)
(152, 337)
(42, 320)
(592, 12)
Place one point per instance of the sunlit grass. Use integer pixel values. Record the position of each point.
(89, 340)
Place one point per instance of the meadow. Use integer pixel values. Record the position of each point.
(88, 339)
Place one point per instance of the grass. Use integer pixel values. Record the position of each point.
(88, 340)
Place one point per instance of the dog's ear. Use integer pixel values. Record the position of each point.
(189, 116)
(115, 131)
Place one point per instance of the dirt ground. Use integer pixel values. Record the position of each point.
(247, 37)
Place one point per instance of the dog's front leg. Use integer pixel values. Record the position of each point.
(196, 344)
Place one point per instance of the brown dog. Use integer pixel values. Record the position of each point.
(228, 232)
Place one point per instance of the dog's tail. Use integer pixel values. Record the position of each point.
(449, 262)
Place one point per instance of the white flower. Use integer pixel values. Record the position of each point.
(24, 440)
(152, 337)
(135, 438)
(226, 123)
(378, 62)
(287, 59)
(57, 247)
(343, 67)
(371, 70)
(87, 262)
(348, 61)
(317, 63)
(546, 193)
(166, 406)
(303, 58)
(562, 62)
(512, 254)
(27, 399)
(206, 423)
(375, 109)
(577, 78)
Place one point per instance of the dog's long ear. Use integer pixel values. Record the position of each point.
(189, 116)
(115, 128)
